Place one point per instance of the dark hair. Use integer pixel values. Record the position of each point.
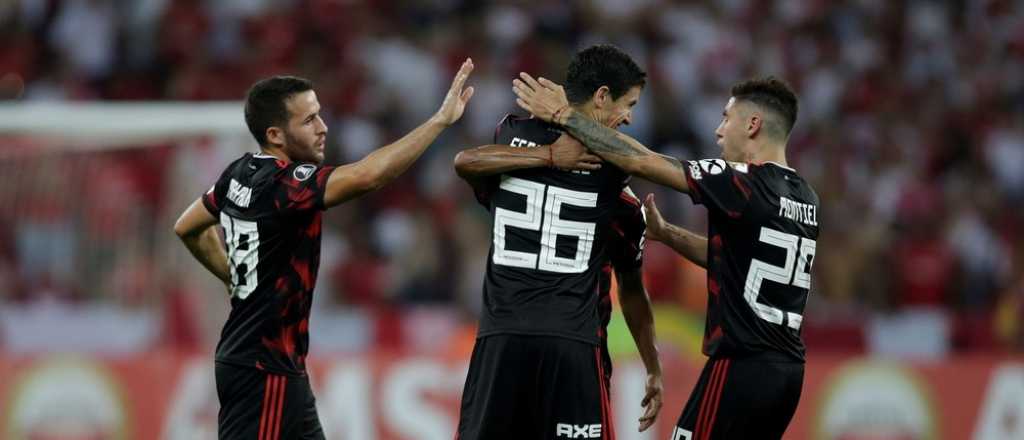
(601, 65)
(772, 94)
(265, 103)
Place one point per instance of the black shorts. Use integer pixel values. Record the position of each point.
(257, 405)
(534, 388)
(741, 398)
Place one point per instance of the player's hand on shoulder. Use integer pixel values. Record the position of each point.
(457, 97)
(655, 223)
(567, 153)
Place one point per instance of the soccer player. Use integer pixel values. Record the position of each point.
(539, 369)
(270, 206)
(763, 225)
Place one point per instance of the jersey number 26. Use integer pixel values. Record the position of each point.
(543, 206)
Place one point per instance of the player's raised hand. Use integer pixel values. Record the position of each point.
(567, 153)
(542, 98)
(652, 401)
(655, 223)
(455, 101)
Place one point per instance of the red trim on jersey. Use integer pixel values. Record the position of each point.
(629, 199)
(742, 186)
(607, 427)
(266, 404)
(497, 130)
(712, 397)
(708, 391)
(210, 197)
(276, 433)
(718, 398)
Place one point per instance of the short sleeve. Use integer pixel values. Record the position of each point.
(503, 133)
(302, 187)
(719, 185)
(627, 232)
(213, 200)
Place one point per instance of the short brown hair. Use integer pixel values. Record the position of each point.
(265, 105)
(773, 94)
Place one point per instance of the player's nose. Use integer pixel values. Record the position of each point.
(321, 126)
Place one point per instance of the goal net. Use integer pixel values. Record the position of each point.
(89, 195)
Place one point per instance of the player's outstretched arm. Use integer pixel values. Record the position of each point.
(565, 153)
(691, 246)
(196, 229)
(388, 162)
(636, 309)
(547, 100)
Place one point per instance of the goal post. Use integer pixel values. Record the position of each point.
(90, 193)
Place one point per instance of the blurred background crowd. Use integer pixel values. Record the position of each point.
(911, 129)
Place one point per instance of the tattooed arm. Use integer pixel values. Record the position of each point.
(625, 152)
(546, 100)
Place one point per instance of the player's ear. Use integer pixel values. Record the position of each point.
(754, 124)
(602, 96)
(275, 135)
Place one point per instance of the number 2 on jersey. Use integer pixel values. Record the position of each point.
(550, 225)
(243, 241)
(795, 272)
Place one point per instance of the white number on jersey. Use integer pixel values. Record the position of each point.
(243, 240)
(796, 271)
(548, 222)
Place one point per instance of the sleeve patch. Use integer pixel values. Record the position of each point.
(695, 172)
(303, 172)
(712, 166)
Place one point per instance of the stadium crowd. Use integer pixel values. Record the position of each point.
(911, 129)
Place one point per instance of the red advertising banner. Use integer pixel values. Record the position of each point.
(169, 396)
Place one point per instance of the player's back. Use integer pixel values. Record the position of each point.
(271, 214)
(549, 242)
(763, 227)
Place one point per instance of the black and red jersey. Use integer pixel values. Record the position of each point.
(271, 214)
(626, 236)
(762, 232)
(551, 242)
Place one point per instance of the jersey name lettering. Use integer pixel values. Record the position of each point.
(520, 142)
(798, 212)
(239, 194)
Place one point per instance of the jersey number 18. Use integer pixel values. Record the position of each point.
(243, 241)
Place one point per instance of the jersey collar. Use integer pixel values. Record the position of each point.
(780, 165)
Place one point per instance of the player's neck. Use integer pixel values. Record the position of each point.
(276, 152)
(587, 110)
(770, 152)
